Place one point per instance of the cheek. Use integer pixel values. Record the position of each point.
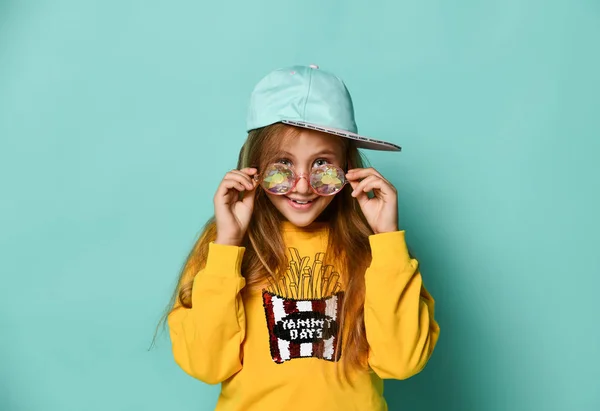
(273, 198)
(326, 200)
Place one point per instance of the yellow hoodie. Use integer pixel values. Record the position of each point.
(276, 348)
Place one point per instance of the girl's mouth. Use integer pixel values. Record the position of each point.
(300, 204)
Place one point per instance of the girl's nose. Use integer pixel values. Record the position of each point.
(302, 186)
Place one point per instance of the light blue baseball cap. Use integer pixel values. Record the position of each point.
(305, 96)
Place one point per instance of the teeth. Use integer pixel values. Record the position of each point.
(300, 202)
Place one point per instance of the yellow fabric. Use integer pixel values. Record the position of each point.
(225, 337)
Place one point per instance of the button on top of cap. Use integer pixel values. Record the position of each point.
(314, 66)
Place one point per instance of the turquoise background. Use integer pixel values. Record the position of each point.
(118, 119)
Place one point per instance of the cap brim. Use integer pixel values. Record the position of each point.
(361, 141)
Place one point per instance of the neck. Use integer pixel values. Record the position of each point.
(314, 226)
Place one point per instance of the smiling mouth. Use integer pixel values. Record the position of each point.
(301, 204)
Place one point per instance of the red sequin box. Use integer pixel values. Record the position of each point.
(303, 328)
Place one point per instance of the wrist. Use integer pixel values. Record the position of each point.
(384, 230)
(228, 241)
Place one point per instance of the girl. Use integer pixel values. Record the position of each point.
(302, 273)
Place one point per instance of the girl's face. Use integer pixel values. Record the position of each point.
(303, 151)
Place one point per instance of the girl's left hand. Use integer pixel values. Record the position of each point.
(381, 211)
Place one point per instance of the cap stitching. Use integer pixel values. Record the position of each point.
(307, 93)
(342, 134)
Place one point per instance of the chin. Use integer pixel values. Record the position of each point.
(300, 221)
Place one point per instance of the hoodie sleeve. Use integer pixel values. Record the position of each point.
(207, 338)
(399, 312)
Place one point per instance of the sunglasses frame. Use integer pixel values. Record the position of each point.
(298, 176)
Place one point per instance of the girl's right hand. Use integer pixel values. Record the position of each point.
(233, 213)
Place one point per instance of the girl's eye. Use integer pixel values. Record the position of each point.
(284, 161)
(320, 162)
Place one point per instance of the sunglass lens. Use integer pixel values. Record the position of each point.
(279, 179)
(327, 180)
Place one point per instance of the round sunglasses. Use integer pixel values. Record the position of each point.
(280, 179)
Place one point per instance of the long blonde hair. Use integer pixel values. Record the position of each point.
(348, 243)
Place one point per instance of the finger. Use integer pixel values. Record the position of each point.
(242, 173)
(357, 174)
(230, 184)
(377, 185)
(360, 173)
(360, 196)
(251, 173)
(249, 170)
(243, 178)
(248, 198)
(363, 183)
